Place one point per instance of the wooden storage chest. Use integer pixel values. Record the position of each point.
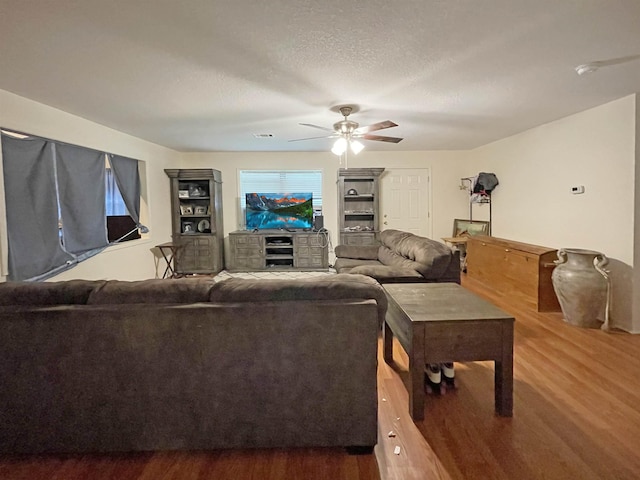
(518, 270)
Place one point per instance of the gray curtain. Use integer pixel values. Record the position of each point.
(47, 181)
(128, 180)
(81, 189)
(32, 208)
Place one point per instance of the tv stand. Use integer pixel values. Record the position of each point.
(264, 250)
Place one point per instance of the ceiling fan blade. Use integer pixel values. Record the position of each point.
(614, 61)
(382, 138)
(318, 126)
(311, 138)
(376, 126)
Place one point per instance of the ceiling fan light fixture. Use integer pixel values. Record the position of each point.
(340, 146)
(587, 68)
(347, 131)
(356, 146)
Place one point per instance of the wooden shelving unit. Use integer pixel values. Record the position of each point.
(358, 205)
(196, 218)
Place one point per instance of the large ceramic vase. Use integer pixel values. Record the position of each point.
(582, 286)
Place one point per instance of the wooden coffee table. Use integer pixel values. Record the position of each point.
(443, 322)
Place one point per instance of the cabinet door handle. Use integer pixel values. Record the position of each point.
(506, 250)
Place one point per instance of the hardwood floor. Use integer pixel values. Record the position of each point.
(576, 406)
(576, 416)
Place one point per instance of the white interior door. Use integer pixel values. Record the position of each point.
(405, 200)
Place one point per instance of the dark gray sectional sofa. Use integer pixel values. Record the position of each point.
(402, 257)
(189, 364)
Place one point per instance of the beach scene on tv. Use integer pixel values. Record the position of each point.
(279, 211)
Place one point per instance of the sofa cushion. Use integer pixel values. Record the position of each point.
(339, 286)
(386, 274)
(392, 259)
(181, 290)
(71, 292)
(362, 252)
(432, 258)
(343, 265)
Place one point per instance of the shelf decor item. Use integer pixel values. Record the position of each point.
(187, 227)
(583, 287)
(204, 226)
(196, 190)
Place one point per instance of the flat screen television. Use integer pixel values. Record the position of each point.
(289, 211)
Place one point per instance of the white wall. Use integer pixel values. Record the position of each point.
(635, 280)
(534, 203)
(448, 202)
(135, 260)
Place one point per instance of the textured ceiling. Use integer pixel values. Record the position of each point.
(206, 75)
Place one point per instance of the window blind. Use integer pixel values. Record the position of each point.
(281, 181)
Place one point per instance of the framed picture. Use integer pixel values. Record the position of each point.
(467, 228)
(188, 227)
(183, 193)
(186, 209)
(200, 210)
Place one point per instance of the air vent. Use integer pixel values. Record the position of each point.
(263, 135)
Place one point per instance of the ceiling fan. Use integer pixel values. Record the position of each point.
(348, 132)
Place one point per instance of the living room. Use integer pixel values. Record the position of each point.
(532, 204)
(596, 147)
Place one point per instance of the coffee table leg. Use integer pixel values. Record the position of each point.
(416, 374)
(387, 343)
(504, 375)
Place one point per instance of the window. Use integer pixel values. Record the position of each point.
(121, 227)
(56, 207)
(281, 181)
(113, 199)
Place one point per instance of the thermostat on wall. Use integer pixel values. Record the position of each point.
(578, 189)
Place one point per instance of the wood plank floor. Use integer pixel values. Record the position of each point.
(576, 406)
(576, 416)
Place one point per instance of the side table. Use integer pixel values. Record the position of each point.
(460, 244)
(169, 251)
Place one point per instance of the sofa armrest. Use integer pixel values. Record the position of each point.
(361, 252)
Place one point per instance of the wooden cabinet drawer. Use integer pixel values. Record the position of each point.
(365, 238)
(247, 240)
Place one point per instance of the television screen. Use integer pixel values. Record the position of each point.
(279, 210)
